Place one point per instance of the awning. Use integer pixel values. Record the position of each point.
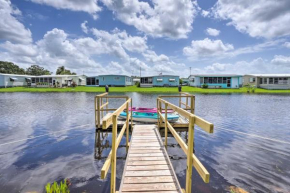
(28, 79)
(68, 79)
(171, 80)
(81, 79)
(13, 79)
(159, 79)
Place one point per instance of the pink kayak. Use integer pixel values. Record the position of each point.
(147, 110)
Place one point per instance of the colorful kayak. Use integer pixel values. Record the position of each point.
(147, 110)
(148, 117)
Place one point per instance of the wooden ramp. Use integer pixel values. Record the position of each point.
(148, 167)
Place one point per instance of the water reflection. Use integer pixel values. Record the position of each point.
(78, 153)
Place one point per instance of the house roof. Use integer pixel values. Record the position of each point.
(215, 75)
(25, 75)
(269, 75)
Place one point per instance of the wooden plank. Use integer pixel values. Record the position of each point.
(141, 148)
(147, 155)
(171, 191)
(143, 180)
(134, 151)
(144, 163)
(149, 173)
(147, 168)
(150, 187)
(146, 159)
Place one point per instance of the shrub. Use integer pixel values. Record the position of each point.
(138, 84)
(55, 188)
(204, 86)
(73, 84)
(250, 88)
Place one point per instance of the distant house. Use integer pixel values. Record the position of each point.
(268, 81)
(12, 80)
(159, 81)
(216, 80)
(110, 80)
(185, 81)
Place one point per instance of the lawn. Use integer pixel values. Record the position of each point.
(137, 89)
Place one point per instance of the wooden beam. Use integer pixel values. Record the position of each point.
(205, 125)
(107, 163)
(107, 103)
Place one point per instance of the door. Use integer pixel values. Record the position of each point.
(229, 82)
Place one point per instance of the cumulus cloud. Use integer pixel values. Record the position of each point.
(89, 6)
(258, 18)
(205, 13)
(281, 60)
(84, 27)
(279, 64)
(212, 32)
(10, 28)
(206, 48)
(167, 18)
(286, 44)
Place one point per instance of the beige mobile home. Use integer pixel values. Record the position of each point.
(268, 81)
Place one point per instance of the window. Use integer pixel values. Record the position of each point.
(206, 80)
(159, 79)
(117, 78)
(261, 80)
(283, 81)
(214, 80)
(220, 80)
(32, 80)
(264, 80)
(146, 80)
(271, 81)
(91, 81)
(210, 80)
(201, 80)
(171, 80)
(36, 80)
(252, 80)
(276, 80)
(40, 79)
(103, 78)
(45, 80)
(50, 80)
(224, 80)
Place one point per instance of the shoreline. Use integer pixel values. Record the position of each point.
(144, 90)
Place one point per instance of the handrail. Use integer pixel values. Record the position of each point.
(192, 160)
(101, 106)
(116, 139)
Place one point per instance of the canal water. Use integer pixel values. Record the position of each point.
(51, 136)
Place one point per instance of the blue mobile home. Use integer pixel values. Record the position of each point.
(110, 80)
(216, 80)
(160, 81)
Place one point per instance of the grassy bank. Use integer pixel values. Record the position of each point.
(145, 90)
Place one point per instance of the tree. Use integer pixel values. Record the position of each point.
(62, 71)
(10, 68)
(37, 70)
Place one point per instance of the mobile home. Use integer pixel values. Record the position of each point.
(216, 80)
(12, 80)
(110, 80)
(268, 81)
(160, 81)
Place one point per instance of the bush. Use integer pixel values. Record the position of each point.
(73, 84)
(250, 88)
(204, 86)
(138, 84)
(55, 188)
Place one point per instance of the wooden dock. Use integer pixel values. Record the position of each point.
(148, 167)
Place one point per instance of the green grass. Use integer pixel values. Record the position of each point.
(144, 90)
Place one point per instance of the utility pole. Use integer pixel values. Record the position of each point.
(189, 71)
(140, 71)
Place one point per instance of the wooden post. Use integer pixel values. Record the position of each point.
(186, 101)
(166, 132)
(98, 112)
(131, 115)
(160, 110)
(102, 107)
(189, 154)
(179, 99)
(192, 104)
(107, 106)
(127, 127)
(113, 158)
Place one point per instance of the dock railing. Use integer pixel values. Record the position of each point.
(102, 105)
(192, 160)
(189, 103)
(111, 160)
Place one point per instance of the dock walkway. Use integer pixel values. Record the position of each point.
(148, 167)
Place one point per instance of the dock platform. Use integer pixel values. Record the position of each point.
(148, 167)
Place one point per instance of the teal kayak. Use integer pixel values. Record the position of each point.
(149, 117)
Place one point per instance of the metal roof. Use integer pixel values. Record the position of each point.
(269, 75)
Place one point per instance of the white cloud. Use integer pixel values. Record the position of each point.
(167, 18)
(258, 18)
(281, 60)
(287, 44)
(10, 28)
(205, 13)
(20, 49)
(84, 27)
(212, 32)
(206, 48)
(89, 6)
(279, 64)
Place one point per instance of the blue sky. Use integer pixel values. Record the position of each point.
(169, 36)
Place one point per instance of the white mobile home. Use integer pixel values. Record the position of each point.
(216, 80)
(12, 80)
(268, 81)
